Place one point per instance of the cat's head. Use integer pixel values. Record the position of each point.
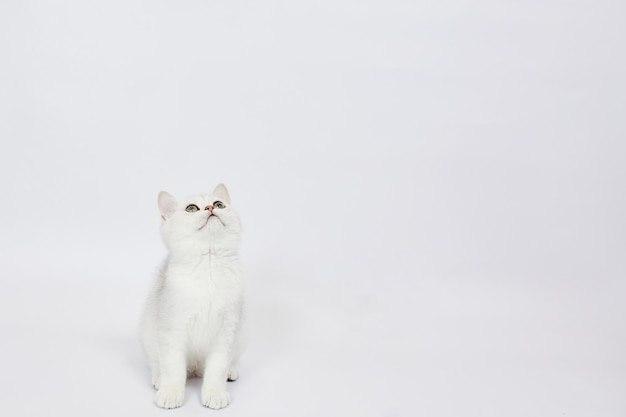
(200, 223)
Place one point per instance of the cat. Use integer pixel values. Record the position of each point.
(190, 324)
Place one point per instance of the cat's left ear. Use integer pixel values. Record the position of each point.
(221, 192)
(167, 204)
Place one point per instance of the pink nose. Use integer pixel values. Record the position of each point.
(209, 207)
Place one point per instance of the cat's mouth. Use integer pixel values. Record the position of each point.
(209, 219)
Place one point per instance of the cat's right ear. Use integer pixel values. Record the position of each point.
(167, 204)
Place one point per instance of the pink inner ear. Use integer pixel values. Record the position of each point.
(167, 205)
(222, 192)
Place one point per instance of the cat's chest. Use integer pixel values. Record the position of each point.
(209, 285)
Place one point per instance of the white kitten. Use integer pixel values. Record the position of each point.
(190, 323)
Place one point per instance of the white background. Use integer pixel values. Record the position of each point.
(433, 196)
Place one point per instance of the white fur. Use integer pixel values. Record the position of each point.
(191, 319)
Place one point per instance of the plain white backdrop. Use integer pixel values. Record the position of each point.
(433, 196)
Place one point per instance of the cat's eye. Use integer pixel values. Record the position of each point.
(191, 208)
(219, 204)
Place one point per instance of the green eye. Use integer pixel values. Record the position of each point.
(219, 204)
(191, 208)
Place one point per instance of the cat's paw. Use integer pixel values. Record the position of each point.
(215, 399)
(233, 374)
(169, 398)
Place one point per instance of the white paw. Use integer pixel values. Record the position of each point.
(170, 398)
(233, 374)
(215, 399)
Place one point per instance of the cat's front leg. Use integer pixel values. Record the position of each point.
(214, 394)
(172, 375)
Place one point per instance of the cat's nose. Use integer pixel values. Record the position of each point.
(209, 207)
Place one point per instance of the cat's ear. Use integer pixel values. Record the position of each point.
(167, 204)
(221, 192)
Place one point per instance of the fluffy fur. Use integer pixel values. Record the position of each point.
(191, 319)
